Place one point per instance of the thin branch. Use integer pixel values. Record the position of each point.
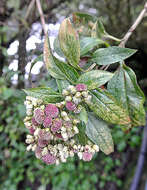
(41, 15)
(140, 163)
(29, 9)
(133, 27)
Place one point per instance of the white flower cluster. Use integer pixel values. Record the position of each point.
(52, 127)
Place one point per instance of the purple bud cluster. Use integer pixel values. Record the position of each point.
(52, 127)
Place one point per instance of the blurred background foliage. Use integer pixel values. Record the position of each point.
(21, 38)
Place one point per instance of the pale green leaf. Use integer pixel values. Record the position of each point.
(69, 43)
(99, 133)
(49, 61)
(114, 54)
(108, 108)
(125, 89)
(88, 43)
(94, 79)
(46, 94)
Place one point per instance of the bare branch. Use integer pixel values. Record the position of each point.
(29, 9)
(133, 27)
(41, 15)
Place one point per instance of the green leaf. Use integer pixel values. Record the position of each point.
(69, 43)
(114, 54)
(57, 48)
(98, 31)
(99, 133)
(105, 106)
(94, 79)
(88, 43)
(83, 116)
(125, 89)
(62, 84)
(68, 71)
(46, 94)
(49, 60)
(81, 137)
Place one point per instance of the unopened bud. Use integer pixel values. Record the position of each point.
(78, 95)
(68, 98)
(65, 92)
(63, 114)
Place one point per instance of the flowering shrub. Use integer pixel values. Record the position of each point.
(74, 119)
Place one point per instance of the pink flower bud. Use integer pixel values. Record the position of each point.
(39, 116)
(34, 122)
(47, 122)
(87, 156)
(42, 143)
(31, 130)
(81, 87)
(44, 135)
(58, 135)
(70, 106)
(57, 124)
(51, 110)
(38, 151)
(49, 159)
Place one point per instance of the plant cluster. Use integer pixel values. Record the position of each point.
(22, 170)
(52, 127)
(88, 98)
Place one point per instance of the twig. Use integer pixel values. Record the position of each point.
(133, 27)
(41, 15)
(140, 162)
(29, 9)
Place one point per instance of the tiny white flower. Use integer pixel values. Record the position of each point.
(29, 112)
(65, 92)
(70, 87)
(79, 146)
(64, 135)
(72, 142)
(59, 105)
(29, 106)
(76, 121)
(96, 147)
(36, 132)
(63, 103)
(63, 114)
(34, 147)
(47, 129)
(29, 147)
(76, 100)
(42, 107)
(68, 98)
(66, 155)
(65, 149)
(29, 137)
(29, 141)
(88, 99)
(78, 95)
(57, 162)
(85, 94)
(63, 159)
(75, 147)
(66, 118)
(80, 155)
(76, 130)
(63, 129)
(44, 151)
(60, 146)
